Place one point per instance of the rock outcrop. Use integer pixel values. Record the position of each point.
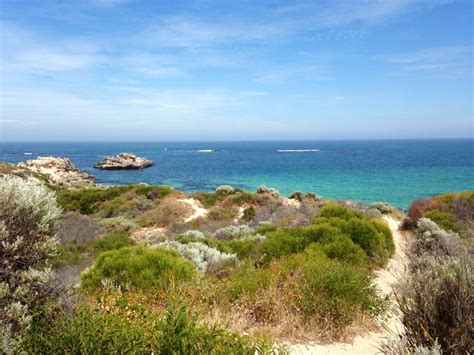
(124, 161)
(59, 171)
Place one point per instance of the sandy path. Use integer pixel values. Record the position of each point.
(385, 279)
(198, 209)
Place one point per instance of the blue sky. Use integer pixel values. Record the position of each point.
(239, 70)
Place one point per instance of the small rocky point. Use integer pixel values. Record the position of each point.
(124, 161)
(59, 171)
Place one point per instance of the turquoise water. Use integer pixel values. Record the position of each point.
(396, 171)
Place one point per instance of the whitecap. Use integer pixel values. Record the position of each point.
(205, 150)
(28, 153)
(297, 150)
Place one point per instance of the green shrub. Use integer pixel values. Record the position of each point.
(86, 200)
(72, 254)
(113, 241)
(221, 214)
(242, 197)
(247, 248)
(334, 210)
(445, 220)
(249, 214)
(248, 281)
(364, 233)
(208, 199)
(330, 290)
(265, 228)
(118, 224)
(284, 242)
(87, 332)
(138, 267)
(178, 332)
(342, 248)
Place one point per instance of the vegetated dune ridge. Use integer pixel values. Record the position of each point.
(385, 279)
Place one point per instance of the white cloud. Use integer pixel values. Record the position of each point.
(453, 60)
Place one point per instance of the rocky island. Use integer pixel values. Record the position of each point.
(124, 161)
(60, 171)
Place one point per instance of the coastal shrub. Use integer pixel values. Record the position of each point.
(265, 227)
(248, 281)
(372, 213)
(75, 227)
(249, 214)
(436, 305)
(168, 211)
(297, 195)
(113, 241)
(363, 233)
(221, 214)
(334, 210)
(342, 248)
(153, 192)
(86, 200)
(383, 207)
(443, 219)
(91, 331)
(417, 209)
(242, 197)
(118, 224)
(208, 199)
(138, 267)
(248, 247)
(205, 258)
(213, 243)
(262, 189)
(225, 190)
(332, 292)
(232, 232)
(194, 234)
(29, 217)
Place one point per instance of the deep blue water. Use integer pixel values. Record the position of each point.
(396, 171)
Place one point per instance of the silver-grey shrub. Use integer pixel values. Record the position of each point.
(205, 258)
(262, 189)
(225, 189)
(232, 232)
(383, 207)
(29, 218)
(194, 234)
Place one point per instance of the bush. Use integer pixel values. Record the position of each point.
(225, 190)
(332, 291)
(221, 214)
(248, 281)
(297, 195)
(342, 248)
(363, 233)
(113, 241)
(241, 197)
(29, 217)
(383, 207)
(372, 213)
(118, 224)
(75, 227)
(178, 332)
(232, 232)
(138, 267)
(443, 219)
(205, 258)
(333, 210)
(208, 199)
(167, 212)
(437, 304)
(249, 214)
(248, 247)
(417, 210)
(262, 189)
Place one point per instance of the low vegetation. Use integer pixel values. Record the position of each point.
(259, 263)
(436, 300)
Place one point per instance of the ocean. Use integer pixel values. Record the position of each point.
(396, 171)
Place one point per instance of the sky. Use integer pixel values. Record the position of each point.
(136, 70)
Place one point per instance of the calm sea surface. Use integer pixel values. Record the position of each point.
(396, 171)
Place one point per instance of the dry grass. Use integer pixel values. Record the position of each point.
(168, 211)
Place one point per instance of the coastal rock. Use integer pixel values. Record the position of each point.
(124, 161)
(59, 171)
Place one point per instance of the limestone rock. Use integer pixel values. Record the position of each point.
(124, 161)
(60, 171)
